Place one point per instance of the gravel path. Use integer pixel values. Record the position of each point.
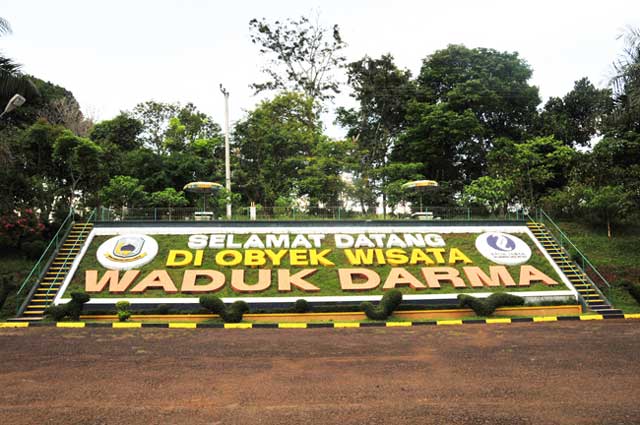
(543, 373)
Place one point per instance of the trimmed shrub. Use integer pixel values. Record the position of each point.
(56, 312)
(301, 306)
(486, 307)
(123, 315)
(388, 304)
(122, 309)
(231, 314)
(234, 313)
(33, 249)
(74, 307)
(212, 303)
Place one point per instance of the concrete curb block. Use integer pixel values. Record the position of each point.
(302, 325)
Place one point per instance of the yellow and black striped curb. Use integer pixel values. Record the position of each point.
(336, 325)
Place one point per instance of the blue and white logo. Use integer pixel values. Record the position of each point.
(502, 248)
(501, 242)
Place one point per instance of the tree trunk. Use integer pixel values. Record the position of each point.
(608, 228)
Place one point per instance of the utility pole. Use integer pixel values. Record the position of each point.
(227, 162)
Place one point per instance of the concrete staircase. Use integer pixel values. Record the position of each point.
(592, 298)
(51, 282)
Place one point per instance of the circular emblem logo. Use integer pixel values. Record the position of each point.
(125, 252)
(502, 248)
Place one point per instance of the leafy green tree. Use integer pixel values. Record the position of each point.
(321, 179)
(575, 118)
(275, 142)
(302, 56)
(80, 162)
(492, 193)
(445, 142)
(121, 132)
(123, 192)
(493, 85)
(626, 87)
(534, 167)
(168, 198)
(382, 91)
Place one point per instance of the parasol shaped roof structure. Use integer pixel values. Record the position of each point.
(202, 187)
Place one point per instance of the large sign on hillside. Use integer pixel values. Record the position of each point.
(329, 263)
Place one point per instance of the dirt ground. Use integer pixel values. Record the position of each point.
(531, 373)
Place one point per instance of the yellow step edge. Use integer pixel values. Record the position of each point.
(126, 325)
(398, 324)
(238, 325)
(449, 322)
(545, 319)
(70, 325)
(286, 325)
(498, 320)
(346, 325)
(592, 317)
(14, 324)
(632, 316)
(178, 325)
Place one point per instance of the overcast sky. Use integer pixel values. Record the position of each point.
(114, 54)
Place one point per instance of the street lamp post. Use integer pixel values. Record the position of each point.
(15, 102)
(227, 162)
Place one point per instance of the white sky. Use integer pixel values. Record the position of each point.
(114, 54)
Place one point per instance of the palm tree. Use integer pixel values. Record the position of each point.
(626, 82)
(11, 79)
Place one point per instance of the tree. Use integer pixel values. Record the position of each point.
(121, 132)
(383, 92)
(626, 86)
(492, 193)
(80, 163)
(123, 192)
(493, 85)
(534, 167)
(576, 118)
(302, 56)
(608, 205)
(275, 142)
(168, 127)
(169, 198)
(445, 142)
(11, 79)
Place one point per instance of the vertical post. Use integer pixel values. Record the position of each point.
(227, 162)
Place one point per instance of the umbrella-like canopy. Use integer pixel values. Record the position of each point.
(202, 187)
(421, 185)
(206, 188)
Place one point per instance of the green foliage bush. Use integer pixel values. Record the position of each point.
(231, 314)
(301, 306)
(123, 310)
(388, 304)
(72, 309)
(56, 312)
(486, 306)
(123, 315)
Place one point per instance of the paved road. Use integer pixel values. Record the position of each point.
(541, 373)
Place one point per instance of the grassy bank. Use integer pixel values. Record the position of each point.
(618, 258)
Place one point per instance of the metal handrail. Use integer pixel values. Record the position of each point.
(44, 258)
(584, 261)
(70, 252)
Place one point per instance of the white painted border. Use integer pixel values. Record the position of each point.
(107, 231)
